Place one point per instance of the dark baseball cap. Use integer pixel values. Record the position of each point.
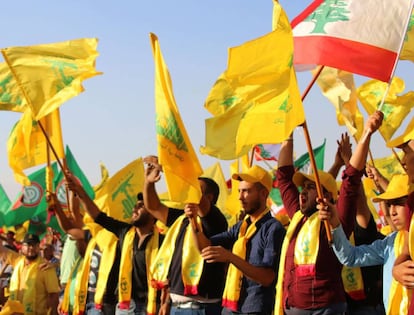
(31, 239)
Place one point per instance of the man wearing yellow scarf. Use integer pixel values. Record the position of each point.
(195, 286)
(403, 270)
(381, 252)
(309, 273)
(137, 246)
(251, 247)
(37, 291)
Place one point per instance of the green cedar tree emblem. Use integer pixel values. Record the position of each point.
(329, 11)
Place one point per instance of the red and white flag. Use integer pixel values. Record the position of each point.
(359, 36)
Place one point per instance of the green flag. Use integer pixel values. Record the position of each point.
(4, 204)
(30, 201)
(302, 164)
(60, 183)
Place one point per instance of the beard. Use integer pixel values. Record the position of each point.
(255, 206)
(142, 220)
(32, 257)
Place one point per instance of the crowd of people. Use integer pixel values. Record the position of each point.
(330, 259)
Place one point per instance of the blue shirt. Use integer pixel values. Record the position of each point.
(263, 250)
(380, 252)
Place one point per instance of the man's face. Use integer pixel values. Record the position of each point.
(140, 215)
(408, 159)
(307, 197)
(249, 196)
(30, 250)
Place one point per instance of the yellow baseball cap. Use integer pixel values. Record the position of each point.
(255, 174)
(398, 187)
(326, 179)
(405, 137)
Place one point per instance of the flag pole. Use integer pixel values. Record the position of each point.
(312, 157)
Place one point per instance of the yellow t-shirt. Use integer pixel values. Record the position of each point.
(45, 281)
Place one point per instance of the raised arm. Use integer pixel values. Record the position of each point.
(359, 157)
(342, 156)
(151, 200)
(76, 187)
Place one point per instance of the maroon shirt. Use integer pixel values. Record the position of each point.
(325, 287)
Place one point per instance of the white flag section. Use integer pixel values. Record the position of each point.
(359, 36)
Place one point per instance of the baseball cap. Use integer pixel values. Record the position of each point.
(399, 186)
(405, 137)
(326, 180)
(255, 174)
(31, 239)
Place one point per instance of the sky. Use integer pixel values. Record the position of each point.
(113, 120)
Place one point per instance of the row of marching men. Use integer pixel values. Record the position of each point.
(196, 264)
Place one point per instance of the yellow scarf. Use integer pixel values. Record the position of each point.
(81, 290)
(125, 270)
(29, 295)
(352, 279)
(306, 251)
(234, 278)
(107, 242)
(399, 297)
(65, 305)
(192, 262)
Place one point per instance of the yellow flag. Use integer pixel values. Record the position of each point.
(104, 178)
(256, 100)
(389, 166)
(11, 97)
(216, 173)
(118, 195)
(339, 88)
(50, 74)
(175, 151)
(395, 107)
(27, 145)
(407, 52)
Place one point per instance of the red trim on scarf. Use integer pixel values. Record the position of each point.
(124, 305)
(305, 270)
(190, 289)
(232, 305)
(357, 295)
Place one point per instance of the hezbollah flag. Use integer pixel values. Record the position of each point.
(27, 145)
(339, 88)
(256, 100)
(407, 52)
(60, 183)
(216, 173)
(395, 108)
(175, 151)
(50, 74)
(11, 97)
(118, 195)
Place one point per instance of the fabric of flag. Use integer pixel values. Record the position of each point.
(27, 145)
(302, 164)
(389, 166)
(266, 152)
(11, 97)
(362, 37)
(407, 52)
(395, 108)
(175, 151)
(5, 203)
(30, 202)
(50, 74)
(339, 88)
(104, 177)
(256, 100)
(118, 196)
(60, 182)
(216, 173)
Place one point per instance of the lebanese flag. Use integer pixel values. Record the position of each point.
(266, 152)
(359, 36)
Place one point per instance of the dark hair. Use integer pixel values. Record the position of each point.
(211, 188)
(140, 196)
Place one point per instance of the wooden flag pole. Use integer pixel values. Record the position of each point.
(312, 157)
